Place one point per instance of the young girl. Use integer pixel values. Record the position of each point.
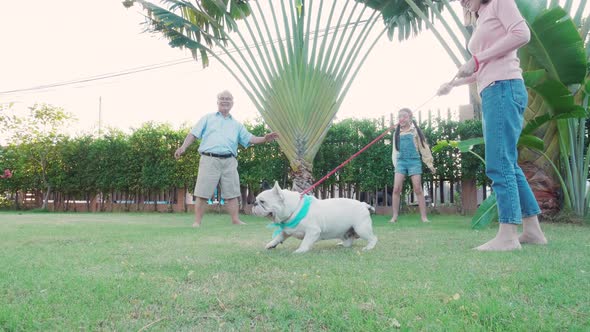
(409, 151)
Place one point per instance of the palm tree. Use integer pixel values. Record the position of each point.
(295, 60)
(554, 74)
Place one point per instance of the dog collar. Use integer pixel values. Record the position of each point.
(293, 222)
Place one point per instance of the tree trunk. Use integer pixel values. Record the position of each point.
(184, 205)
(302, 177)
(46, 198)
(126, 201)
(543, 186)
(137, 194)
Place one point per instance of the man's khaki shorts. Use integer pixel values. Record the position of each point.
(213, 171)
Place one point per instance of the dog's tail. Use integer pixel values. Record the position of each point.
(370, 208)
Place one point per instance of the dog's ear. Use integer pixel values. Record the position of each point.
(276, 186)
(276, 190)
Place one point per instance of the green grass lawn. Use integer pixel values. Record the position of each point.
(154, 272)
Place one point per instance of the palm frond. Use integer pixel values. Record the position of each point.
(486, 213)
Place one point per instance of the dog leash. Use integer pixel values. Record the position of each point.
(347, 161)
(434, 96)
(312, 187)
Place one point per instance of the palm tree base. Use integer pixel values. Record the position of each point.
(302, 177)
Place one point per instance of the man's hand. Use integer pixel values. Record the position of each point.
(433, 171)
(467, 69)
(179, 152)
(271, 137)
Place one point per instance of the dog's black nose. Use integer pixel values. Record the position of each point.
(255, 203)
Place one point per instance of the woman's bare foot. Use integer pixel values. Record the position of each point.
(531, 231)
(239, 222)
(506, 239)
(425, 220)
(392, 220)
(196, 224)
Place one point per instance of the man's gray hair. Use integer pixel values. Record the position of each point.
(225, 93)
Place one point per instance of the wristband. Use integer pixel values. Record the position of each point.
(476, 63)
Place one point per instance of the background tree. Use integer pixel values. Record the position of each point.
(37, 135)
(153, 145)
(77, 178)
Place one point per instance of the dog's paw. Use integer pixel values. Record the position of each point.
(271, 246)
(300, 251)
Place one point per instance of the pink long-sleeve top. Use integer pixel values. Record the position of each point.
(500, 31)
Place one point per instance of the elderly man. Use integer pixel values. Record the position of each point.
(220, 134)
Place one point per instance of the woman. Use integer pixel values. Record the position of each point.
(409, 150)
(500, 30)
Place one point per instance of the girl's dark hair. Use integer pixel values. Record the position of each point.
(397, 129)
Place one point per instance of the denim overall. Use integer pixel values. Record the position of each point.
(408, 158)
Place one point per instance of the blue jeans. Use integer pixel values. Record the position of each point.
(503, 105)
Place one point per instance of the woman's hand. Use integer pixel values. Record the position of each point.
(445, 89)
(467, 69)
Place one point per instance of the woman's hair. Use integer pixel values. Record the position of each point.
(473, 16)
(397, 129)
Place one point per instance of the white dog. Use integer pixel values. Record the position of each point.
(312, 219)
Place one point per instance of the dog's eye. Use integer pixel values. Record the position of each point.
(261, 202)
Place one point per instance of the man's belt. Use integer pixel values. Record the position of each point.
(215, 155)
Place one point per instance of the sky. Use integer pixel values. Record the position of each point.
(47, 42)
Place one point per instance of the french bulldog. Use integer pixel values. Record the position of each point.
(336, 218)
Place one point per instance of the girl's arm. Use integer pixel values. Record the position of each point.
(424, 152)
(393, 151)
